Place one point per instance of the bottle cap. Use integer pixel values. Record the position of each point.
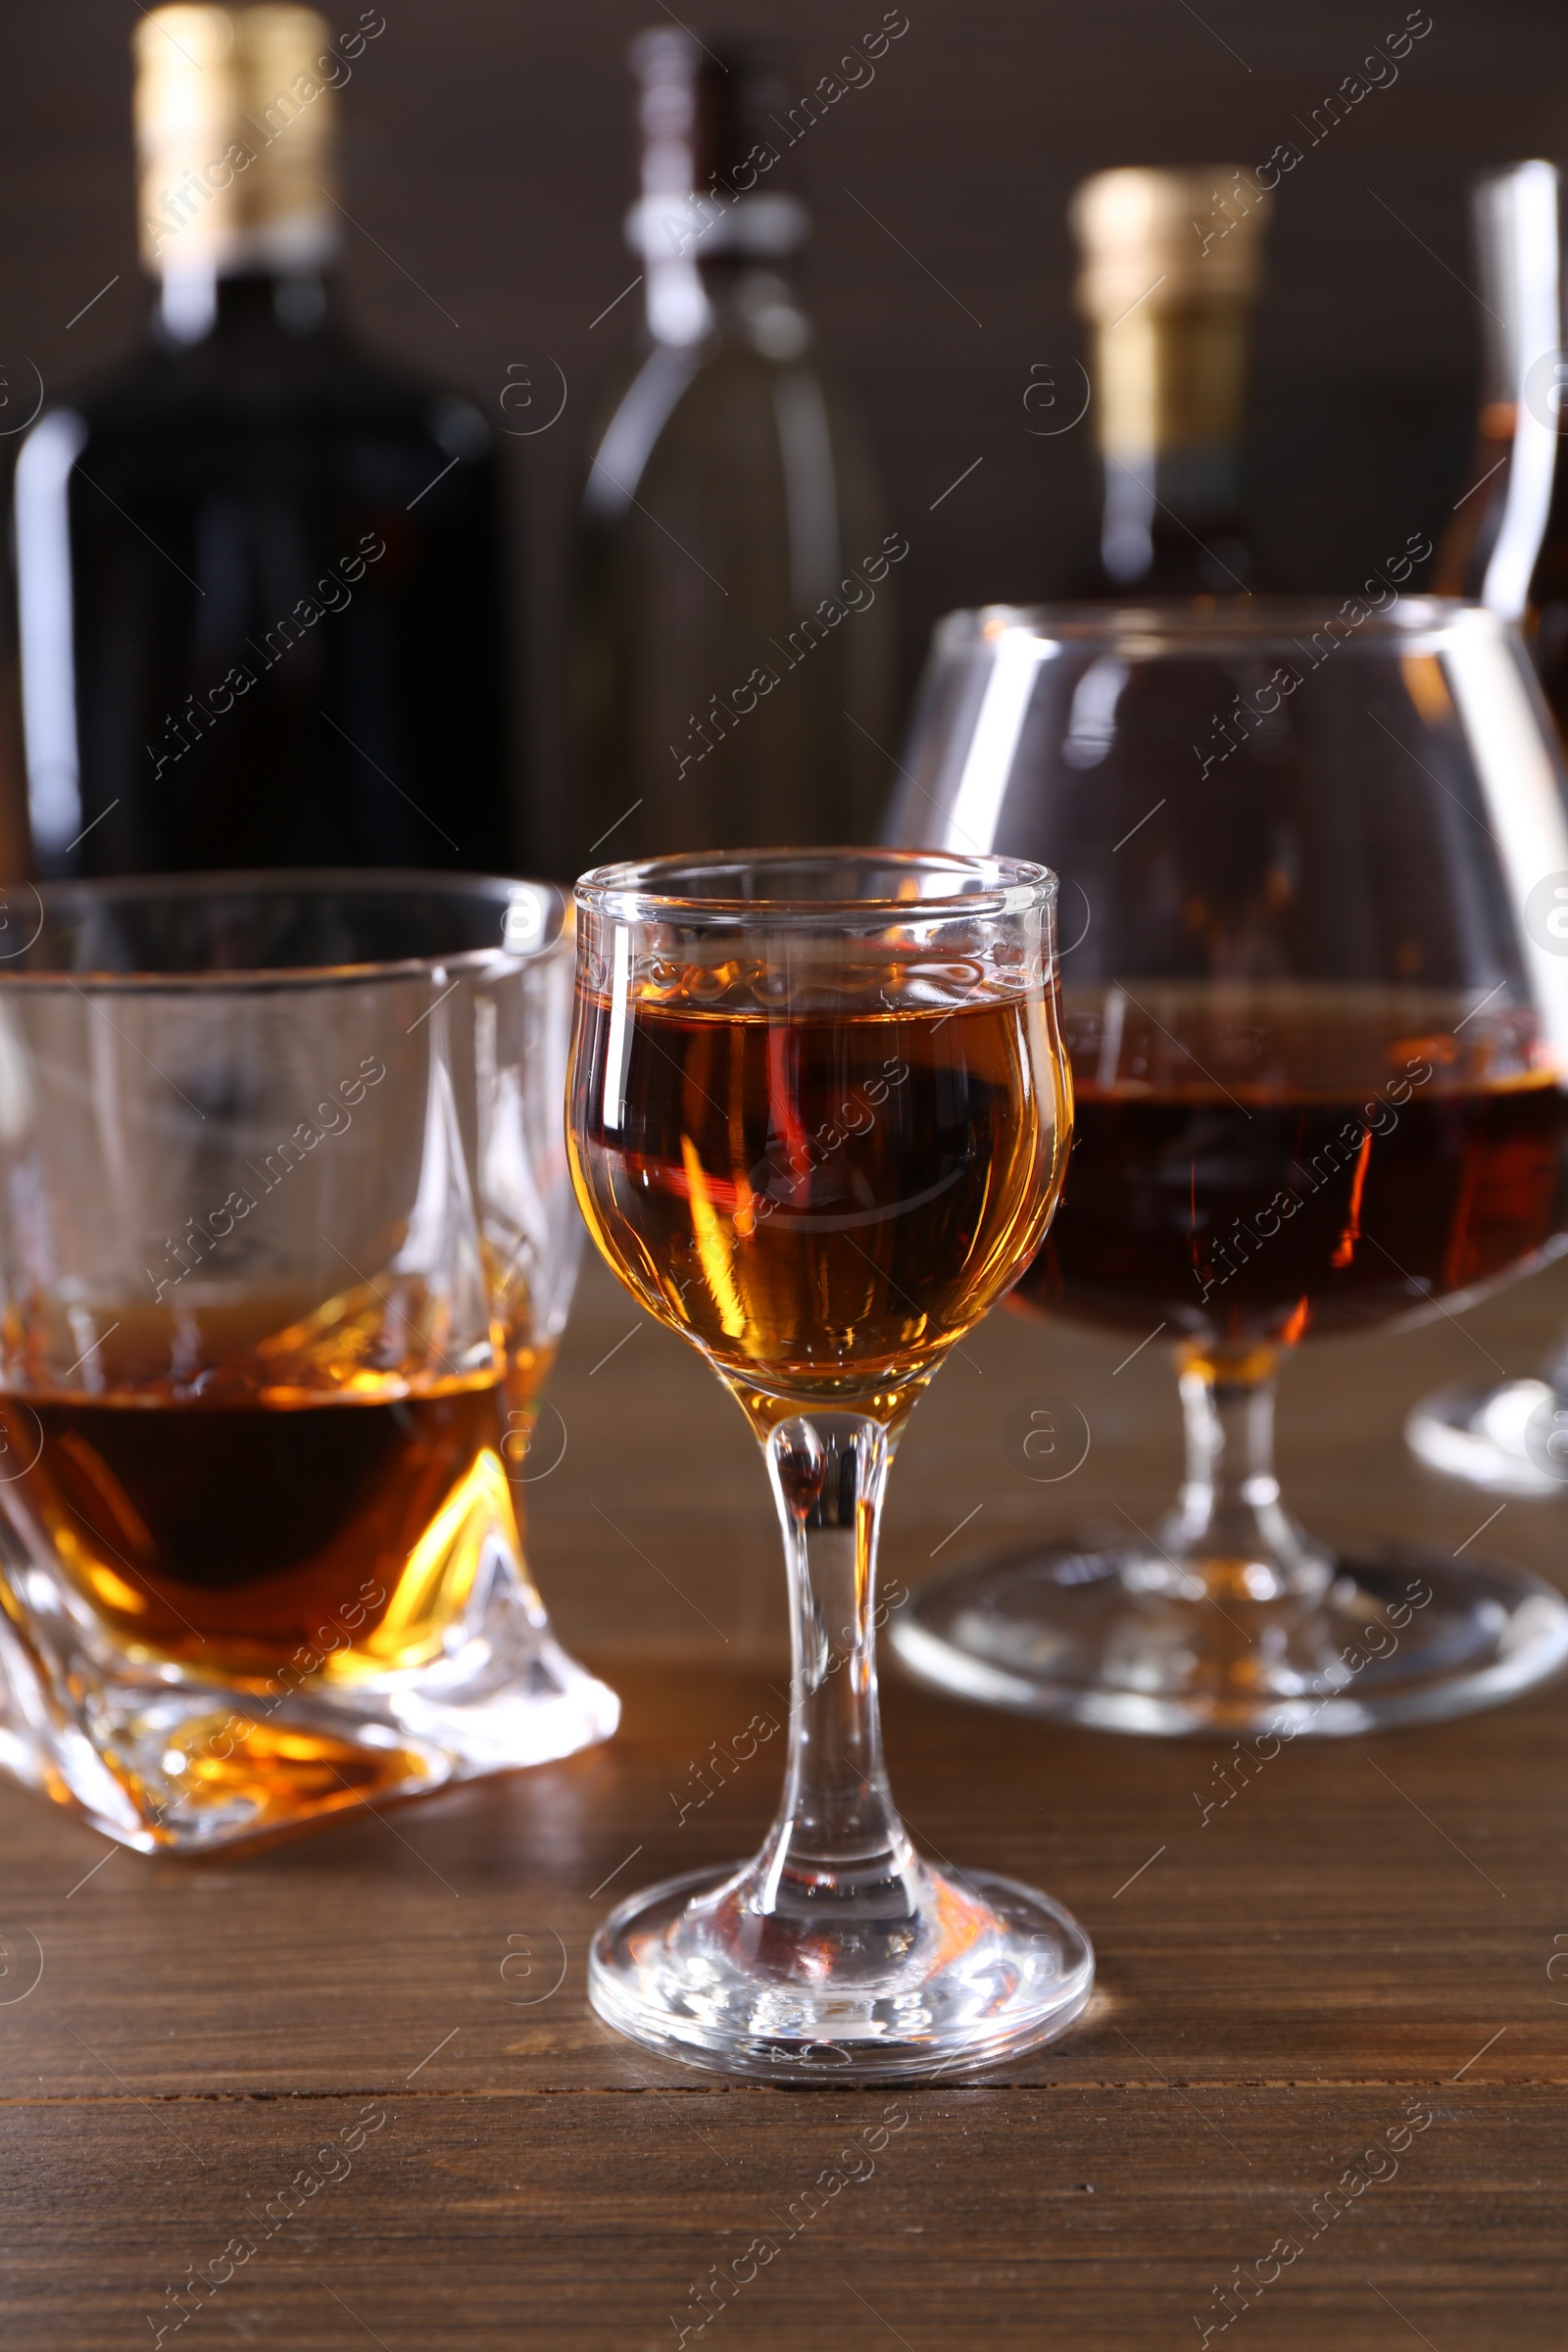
(234, 120)
(714, 144)
(1165, 238)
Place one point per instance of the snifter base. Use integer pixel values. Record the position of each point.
(164, 1760)
(1127, 1641)
(980, 1970)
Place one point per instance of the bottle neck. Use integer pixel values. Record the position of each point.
(714, 262)
(205, 305)
(1170, 392)
(733, 296)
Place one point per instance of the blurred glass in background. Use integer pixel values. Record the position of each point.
(1507, 547)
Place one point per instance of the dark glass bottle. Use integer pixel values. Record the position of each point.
(259, 571)
(1507, 545)
(733, 628)
(1171, 262)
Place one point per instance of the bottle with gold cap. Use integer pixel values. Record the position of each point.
(1171, 262)
(733, 637)
(259, 570)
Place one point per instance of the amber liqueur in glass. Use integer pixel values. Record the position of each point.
(821, 1198)
(277, 1510)
(1260, 1164)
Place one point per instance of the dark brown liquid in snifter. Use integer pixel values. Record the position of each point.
(1252, 1165)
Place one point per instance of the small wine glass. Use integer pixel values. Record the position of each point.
(819, 1117)
(1318, 1032)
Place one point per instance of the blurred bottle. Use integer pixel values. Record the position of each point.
(733, 628)
(259, 571)
(1171, 265)
(1507, 545)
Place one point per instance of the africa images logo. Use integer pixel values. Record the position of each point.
(1546, 913)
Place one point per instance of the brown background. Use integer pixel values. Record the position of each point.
(487, 151)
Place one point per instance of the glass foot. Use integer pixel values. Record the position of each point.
(1508, 1438)
(1129, 1641)
(976, 1971)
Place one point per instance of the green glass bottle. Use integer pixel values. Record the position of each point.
(732, 642)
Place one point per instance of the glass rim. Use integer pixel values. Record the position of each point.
(628, 890)
(277, 882)
(1198, 624)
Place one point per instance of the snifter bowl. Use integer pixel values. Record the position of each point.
(1319, 1043)
(286, 1247)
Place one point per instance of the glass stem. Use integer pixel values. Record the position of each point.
(837, 1851)
(1229, 1523)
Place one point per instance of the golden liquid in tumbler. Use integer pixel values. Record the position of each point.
(284, 1499)
(822, 1198)
(235, 1537)
(254, 1493)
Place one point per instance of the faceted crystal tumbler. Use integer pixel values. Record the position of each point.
(286, 1247)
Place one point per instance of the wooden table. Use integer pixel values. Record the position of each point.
(1359, 1942)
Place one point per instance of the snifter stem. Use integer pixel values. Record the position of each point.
(1228, 1523)
(837, 1851)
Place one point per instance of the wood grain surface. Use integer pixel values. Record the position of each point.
(1341, 1973)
